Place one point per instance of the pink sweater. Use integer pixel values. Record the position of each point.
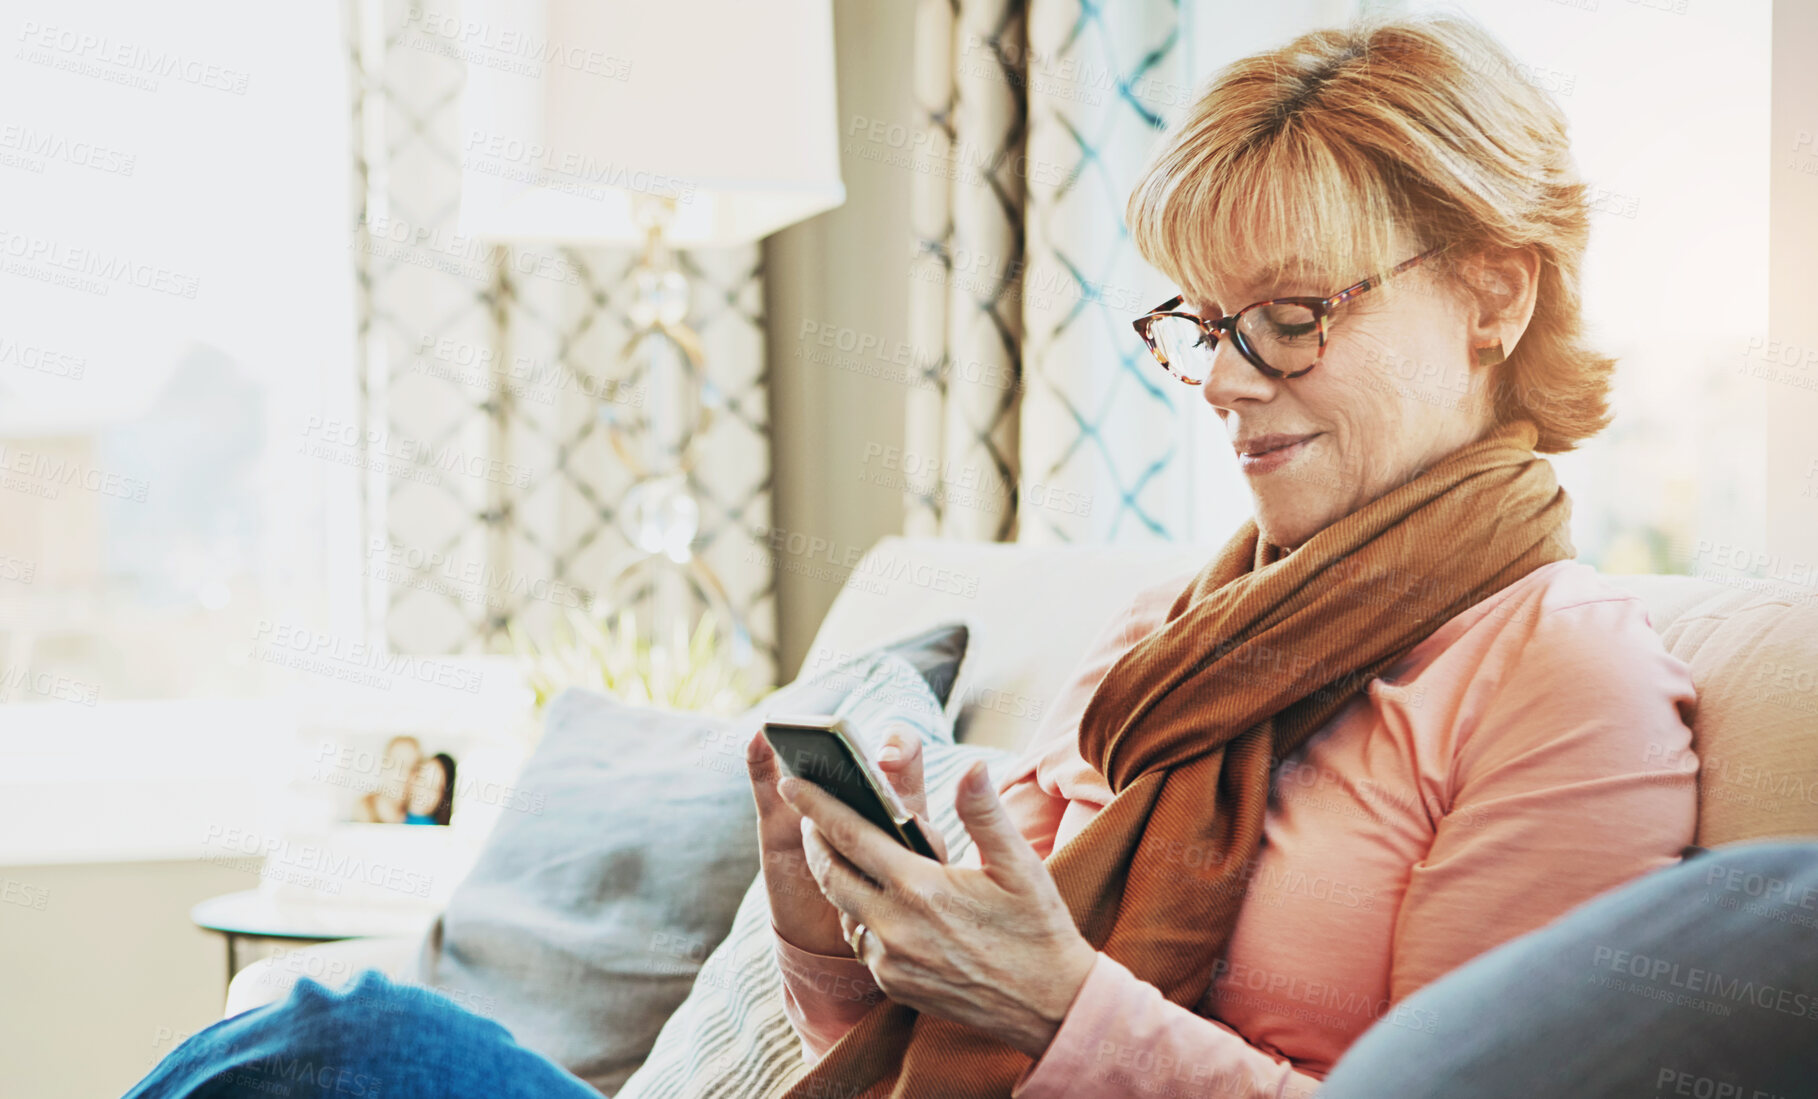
(1531, 753)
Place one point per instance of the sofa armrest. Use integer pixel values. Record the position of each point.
(331, 964)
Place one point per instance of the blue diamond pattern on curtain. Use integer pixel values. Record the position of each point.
(1101, 449)
(1025, 280)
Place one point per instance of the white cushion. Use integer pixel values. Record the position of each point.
(1032, 611)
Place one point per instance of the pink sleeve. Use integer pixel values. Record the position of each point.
(1574, 776)
(823, 995)
(1122, 1037)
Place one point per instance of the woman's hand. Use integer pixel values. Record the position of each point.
(993, 947)
(798, 909)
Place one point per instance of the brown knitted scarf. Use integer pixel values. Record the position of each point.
(1257, 654)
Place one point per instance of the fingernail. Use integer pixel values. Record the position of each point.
(889, 752)
(786, 786)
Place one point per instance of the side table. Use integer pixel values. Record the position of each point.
(256, 915)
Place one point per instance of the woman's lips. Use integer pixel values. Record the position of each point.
(1271, 460)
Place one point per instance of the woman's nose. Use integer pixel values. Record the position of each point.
(1233, 379)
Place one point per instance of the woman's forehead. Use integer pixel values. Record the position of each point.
(1258, 280)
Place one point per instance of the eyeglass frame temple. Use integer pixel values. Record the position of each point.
(1373, 281)
(1321, 307)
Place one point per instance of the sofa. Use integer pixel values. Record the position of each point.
(1033, 611)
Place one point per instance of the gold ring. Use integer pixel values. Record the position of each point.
(856, 941)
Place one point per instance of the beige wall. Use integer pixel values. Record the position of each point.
(100, 968)
(846, 268)
(1792, 447)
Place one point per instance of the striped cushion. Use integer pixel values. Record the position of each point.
(730, 1036)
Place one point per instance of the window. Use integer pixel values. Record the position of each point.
(178, 305)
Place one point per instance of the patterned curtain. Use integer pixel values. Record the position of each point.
(489, 376)
(1042, 419)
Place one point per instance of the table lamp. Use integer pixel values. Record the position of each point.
(689, 123)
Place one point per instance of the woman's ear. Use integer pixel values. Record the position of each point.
(1504, 284)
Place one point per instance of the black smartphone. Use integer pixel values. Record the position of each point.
(819, 748)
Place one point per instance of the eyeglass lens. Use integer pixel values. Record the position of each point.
(1283, 334)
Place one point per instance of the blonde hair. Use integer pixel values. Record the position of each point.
(1354, 148)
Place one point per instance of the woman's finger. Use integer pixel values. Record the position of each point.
(900, 758)
(845, 886)
(1003, 850)
(864, 845)
(934, 837)
(901, 761)
(776, 817)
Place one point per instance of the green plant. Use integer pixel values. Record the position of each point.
(692, 671)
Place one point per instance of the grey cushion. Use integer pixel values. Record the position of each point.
(584, 926)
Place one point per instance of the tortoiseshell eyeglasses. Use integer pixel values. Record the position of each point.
(1282, 337)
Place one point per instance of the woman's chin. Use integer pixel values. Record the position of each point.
(1285, 531)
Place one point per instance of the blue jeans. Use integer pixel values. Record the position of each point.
(373, 1039)
(1698, 980)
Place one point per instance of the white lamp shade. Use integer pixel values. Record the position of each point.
(572, 109)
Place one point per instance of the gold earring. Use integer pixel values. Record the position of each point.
(1490, 354)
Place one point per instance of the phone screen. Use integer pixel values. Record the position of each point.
(819, 754)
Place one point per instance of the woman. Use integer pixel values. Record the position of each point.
(431, 795)
(1389, 727)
